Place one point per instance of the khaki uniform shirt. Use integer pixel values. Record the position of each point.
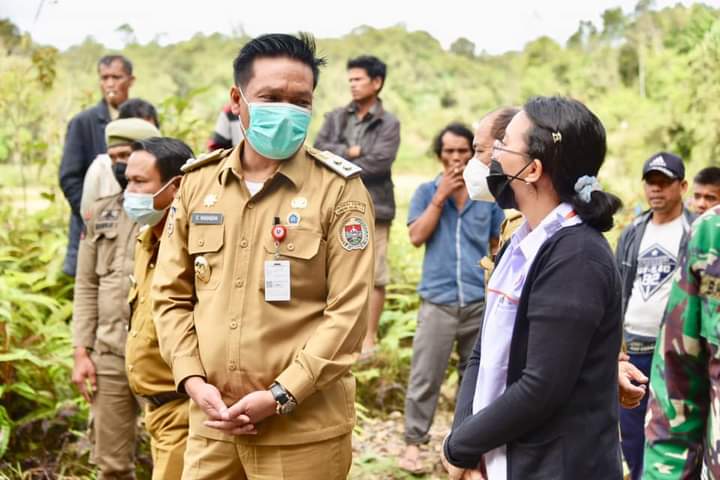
(147, 372)
(513, 220)
(209, 290)
(102, 282)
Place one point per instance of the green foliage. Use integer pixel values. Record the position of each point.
(178, 121)
(463, 46)
(38, 409)
(24, 135)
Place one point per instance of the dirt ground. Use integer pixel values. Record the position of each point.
(380, 443)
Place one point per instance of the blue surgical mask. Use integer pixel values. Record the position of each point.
(139, 207)
(276, 130)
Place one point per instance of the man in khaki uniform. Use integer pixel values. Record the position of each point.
(154, 175)
(263, 277)
(100, 316)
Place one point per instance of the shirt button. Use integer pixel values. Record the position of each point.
(232, 366)
(134, 334)
(233, 325)
(152, 265)
(201, 242)
(142, 299)
(130, 368)
(239, 283)
(291, 246)
(251, 205)
(244, 243)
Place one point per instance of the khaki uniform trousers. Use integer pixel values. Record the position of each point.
(217, 460)
(168, 429)
(113, 420)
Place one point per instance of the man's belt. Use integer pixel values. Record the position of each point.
(162, 398)
(640, 347)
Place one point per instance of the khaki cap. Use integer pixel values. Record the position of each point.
(128, 130)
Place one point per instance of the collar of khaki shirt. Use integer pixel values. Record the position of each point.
(293, 168)
(148, 240)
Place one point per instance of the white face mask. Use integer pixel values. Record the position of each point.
(475, 176)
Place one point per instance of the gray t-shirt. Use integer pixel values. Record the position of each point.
(657, 261)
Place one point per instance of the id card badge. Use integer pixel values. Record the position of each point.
(277, 281)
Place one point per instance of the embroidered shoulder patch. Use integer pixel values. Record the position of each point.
(352, 205)
(354, 234)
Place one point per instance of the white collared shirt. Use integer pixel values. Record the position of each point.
(503, 297)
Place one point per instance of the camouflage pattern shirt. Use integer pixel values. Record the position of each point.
(682, 426)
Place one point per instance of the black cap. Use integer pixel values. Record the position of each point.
(665, 163)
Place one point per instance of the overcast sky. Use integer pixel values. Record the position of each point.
(494, 25)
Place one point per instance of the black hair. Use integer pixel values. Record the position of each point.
(170, 154)
(708, 176)
(138, 108)
(107, 60)
(501, 121)
(272, 45)
(373, 66)
(456, 128)
(570, 142)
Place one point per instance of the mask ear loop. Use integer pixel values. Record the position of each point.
(167, 184)
(247, 104)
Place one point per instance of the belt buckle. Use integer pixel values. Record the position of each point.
(640, 347)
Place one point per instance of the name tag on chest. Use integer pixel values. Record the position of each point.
(207, 218)
(277, 281)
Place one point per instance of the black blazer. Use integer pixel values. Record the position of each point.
(84, 140)
(559, 413)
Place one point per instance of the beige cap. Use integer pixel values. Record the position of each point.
(128, 130)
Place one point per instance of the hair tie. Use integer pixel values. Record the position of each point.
(557, 137)
(585, 185)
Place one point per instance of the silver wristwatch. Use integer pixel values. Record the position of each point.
(284, 402)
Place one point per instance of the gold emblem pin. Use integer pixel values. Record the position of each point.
(210, 200)
(202, 269)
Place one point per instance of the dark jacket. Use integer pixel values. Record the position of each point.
(84, 140)
(378, 147)
(559, 413)
(628, 247)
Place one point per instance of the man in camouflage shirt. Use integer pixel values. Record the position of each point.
(683, 420)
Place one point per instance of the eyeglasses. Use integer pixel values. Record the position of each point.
(498, 145)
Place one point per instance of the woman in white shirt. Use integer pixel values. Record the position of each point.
(539, 399)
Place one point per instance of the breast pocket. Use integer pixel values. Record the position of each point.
(106, 249)
(205, 244)
(306, 251)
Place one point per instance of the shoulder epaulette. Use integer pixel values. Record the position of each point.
(205, 159)
(336, 163)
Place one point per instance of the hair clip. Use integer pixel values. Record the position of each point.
(557, 137)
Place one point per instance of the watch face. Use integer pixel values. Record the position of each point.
(279, 394)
